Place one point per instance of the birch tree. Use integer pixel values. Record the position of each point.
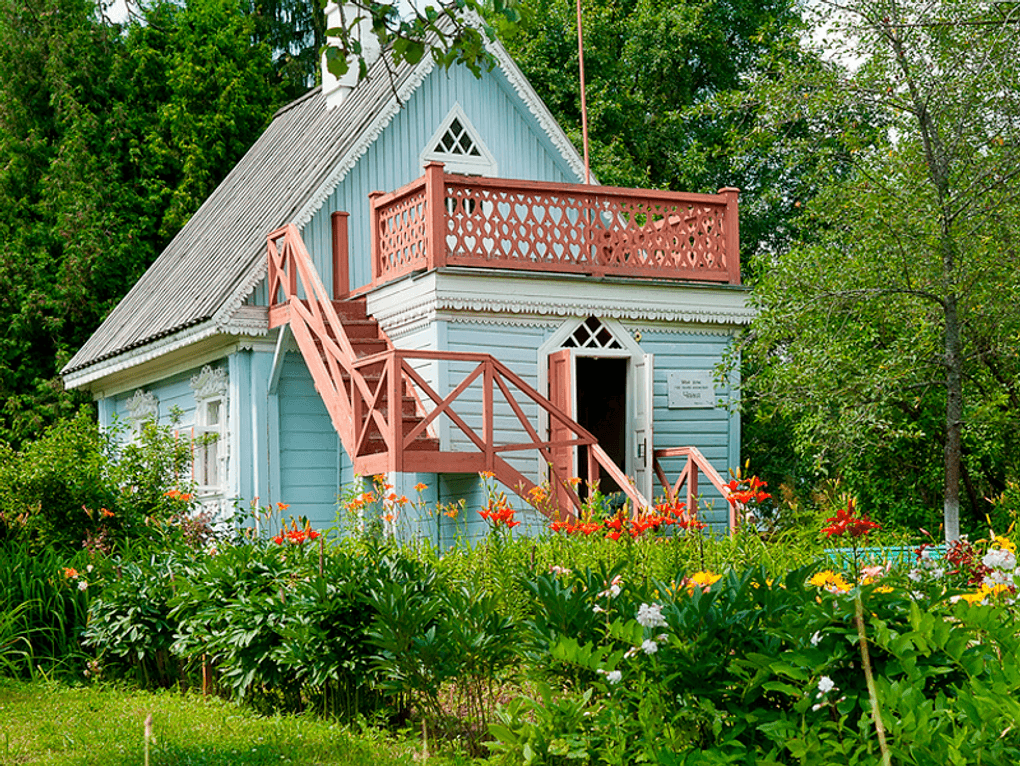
(907, 291)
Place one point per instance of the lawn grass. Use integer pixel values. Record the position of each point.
(45, 723)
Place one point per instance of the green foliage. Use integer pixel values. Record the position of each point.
(129, 624)
(663, 81)
(886, 336)
(43, 610)
(76, 486)
(112, 137)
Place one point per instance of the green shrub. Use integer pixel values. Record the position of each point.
(77, 486)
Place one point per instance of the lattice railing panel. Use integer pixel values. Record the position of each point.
(607, 233)
(401, 235)
(441, 220)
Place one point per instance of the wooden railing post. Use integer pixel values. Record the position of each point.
(373, 242)
(488, 430)
(435, 211)
(395, 406)
(732, 226)
(692, 484)
(341, 255)
(593, 470)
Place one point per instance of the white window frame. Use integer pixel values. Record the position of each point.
(482, 165)
(142, 407)
(210, 434)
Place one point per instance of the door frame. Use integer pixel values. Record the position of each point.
(640, 365)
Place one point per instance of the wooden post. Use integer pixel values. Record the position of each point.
(488, 434)
(395, 394)
(594, 474)
(373, 222)
(341, 256)
(731, 226)
(692, 484)
(435, 207)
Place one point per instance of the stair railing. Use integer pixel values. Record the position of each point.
(364, 396)
(314, 321)
(689, 476)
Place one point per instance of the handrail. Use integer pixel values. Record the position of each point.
(689, 476)
(442, 219)
(396, 364)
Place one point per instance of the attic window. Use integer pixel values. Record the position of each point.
(591, 333)
(458, 146)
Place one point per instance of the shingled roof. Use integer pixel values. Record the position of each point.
(219, 257)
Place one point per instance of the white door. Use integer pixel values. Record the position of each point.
(641, 447)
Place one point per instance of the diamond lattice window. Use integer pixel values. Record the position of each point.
(591, 333)
(457, 144)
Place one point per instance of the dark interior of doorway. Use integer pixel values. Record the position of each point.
(601, 389)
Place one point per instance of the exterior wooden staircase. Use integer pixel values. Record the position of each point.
(359, 375)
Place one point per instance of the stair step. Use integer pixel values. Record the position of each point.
(362, 328)
(375, 444)
(353, 309)
(367, 346)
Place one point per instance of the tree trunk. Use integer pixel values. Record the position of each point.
(954, 419)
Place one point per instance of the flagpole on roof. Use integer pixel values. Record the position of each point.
(584, 103)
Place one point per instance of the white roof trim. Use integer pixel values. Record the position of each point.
(538, 108)
(249, 321)
(140, 355)
(411, 301)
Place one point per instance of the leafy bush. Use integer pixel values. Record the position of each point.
(76, 486)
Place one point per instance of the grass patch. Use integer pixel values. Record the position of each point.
(45, 723)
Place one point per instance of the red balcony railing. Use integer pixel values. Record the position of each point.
(441, 220)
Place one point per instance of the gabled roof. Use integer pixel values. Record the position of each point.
(213, 264)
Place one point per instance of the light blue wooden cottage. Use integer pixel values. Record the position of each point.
(538, 329)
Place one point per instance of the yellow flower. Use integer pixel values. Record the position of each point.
(977, 597)
(1005, 542)
(832, 582)
(704, 579)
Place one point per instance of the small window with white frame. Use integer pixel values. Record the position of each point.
(210, 442)
(457, 144)
(142, 407)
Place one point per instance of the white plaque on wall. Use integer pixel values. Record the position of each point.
(691, 388)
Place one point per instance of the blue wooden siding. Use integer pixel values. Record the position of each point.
(521, 148)
(174, 394)
(310, 454)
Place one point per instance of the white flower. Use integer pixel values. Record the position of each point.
(816, 638)
(998, 578)
(612, 676)
(999, 558)
(598, 609)
(915, 575)
(558, 570)
(938, 572)
(825, 685)
(650, 616)
(649, 647)
(89, 568)
(82, 585)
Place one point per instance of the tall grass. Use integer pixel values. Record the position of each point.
(42, 612)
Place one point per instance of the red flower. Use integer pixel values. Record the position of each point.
(845, 521)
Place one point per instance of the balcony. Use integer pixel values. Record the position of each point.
(450, 220)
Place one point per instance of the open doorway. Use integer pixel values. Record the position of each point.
(601, 391)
